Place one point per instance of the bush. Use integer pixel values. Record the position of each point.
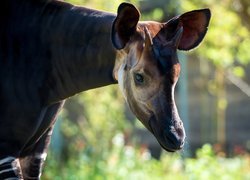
(127, 162)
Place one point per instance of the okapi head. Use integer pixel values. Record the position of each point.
(147, 67)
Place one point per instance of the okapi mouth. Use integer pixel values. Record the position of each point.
(170, 139)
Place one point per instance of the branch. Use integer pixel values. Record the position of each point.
(238, 82)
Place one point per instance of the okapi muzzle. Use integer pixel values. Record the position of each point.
(147, 67)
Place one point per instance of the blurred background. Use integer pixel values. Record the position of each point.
(97, 137)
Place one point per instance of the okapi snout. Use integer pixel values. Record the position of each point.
(174, 137)
(169, 132)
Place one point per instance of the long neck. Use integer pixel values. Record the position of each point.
(81, 53)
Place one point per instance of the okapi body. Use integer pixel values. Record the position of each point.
(51, 50)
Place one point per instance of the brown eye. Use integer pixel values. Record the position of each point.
(139, 79)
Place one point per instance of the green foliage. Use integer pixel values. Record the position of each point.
(110, 5)
(238, 71)
(156, 15)
(227, 40)
(126, 162)
(90, 129)
(209, 166)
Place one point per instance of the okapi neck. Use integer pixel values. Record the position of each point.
(81, 53)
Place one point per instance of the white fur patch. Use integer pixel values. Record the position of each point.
(8, 170)
(120, 80)
(41, 156)
(7, 159)
(12, 170)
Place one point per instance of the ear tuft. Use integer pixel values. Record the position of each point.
(124, 25)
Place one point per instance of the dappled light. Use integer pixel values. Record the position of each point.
(162, 100)
(101, 139)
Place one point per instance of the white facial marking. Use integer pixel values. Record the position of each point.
(120, 79)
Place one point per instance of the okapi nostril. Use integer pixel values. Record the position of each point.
(175, 137)
(179, 129)
(180, 133)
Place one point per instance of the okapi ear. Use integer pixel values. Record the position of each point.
(124, 25)
(194, 23)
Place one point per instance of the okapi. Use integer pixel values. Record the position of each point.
(51, 50)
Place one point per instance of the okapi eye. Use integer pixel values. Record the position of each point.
(138, 78)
